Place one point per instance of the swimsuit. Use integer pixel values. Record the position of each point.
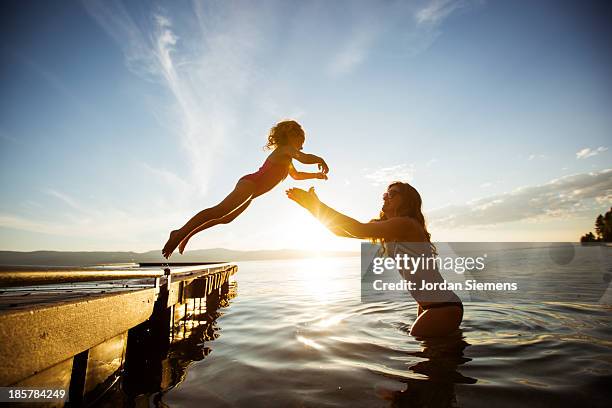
(267, 177)
(434, 298)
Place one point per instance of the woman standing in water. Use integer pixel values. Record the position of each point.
(401, 224)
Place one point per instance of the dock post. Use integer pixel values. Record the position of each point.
(225, 286)
(212, 301)
(77, 379)
(148, 344)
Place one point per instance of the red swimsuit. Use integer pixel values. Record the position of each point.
(268, 176)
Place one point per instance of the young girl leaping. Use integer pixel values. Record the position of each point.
(285, 140)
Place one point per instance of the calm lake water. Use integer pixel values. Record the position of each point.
(298, 335)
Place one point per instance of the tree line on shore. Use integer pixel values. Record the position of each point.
(603, 229)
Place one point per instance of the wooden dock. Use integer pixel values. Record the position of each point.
(83, 329)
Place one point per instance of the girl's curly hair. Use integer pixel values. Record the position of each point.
(280, 133)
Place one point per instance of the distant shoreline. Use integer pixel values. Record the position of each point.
(97, 258)
(91, 258)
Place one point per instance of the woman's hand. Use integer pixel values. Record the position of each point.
(321, 176)
(307, 199)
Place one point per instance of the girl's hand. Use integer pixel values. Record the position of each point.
(323, 166)
(321, 176)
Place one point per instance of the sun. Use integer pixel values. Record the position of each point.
(306, 233)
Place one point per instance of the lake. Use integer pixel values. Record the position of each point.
(296, 333)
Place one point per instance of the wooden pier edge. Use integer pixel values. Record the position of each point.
(35, 340)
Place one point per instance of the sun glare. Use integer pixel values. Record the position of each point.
(307, 233)
(319, 276)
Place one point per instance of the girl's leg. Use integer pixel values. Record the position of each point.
(437, 322)
(242, 192)
(226, 219)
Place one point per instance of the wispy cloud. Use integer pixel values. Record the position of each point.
(559, 197)
(114, 17)
(436, 11)
(588, 152)
(79, 220)
(353, 53)
(66, 199)
(112, 230)
(428, 18)
(417, 22)
(167, 176)
(206, 70)
(216, 57)
(385, 175)
(26, 224)
(537, 156)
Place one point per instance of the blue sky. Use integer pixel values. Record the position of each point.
(119, 121)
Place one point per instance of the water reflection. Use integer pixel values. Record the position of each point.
(158, 366)
(442, 357)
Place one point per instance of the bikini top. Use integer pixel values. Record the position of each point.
(425, 271)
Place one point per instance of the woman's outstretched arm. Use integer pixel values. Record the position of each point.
(336, 221)
(340, 232)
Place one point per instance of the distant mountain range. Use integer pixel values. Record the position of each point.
(61, 258)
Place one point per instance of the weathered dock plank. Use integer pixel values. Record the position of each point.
(42, 336)
(77, 335)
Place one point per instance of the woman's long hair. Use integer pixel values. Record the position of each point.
(410, 207)
(280, 133)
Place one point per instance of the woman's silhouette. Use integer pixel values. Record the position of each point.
(401, 223)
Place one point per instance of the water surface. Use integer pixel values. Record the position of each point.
(298, 335)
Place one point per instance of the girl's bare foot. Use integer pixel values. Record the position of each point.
(182, 245)
(172, 243)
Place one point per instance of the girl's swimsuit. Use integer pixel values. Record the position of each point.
(268, 176)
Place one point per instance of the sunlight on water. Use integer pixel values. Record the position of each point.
(297, 334)
(330, 321)
(317, 278)
(308, 342)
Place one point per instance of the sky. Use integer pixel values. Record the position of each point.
(121, 120)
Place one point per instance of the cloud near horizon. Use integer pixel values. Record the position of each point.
(565, 196)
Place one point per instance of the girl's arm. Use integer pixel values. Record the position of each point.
(335, 221)
(306, 158)
(300, 175)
